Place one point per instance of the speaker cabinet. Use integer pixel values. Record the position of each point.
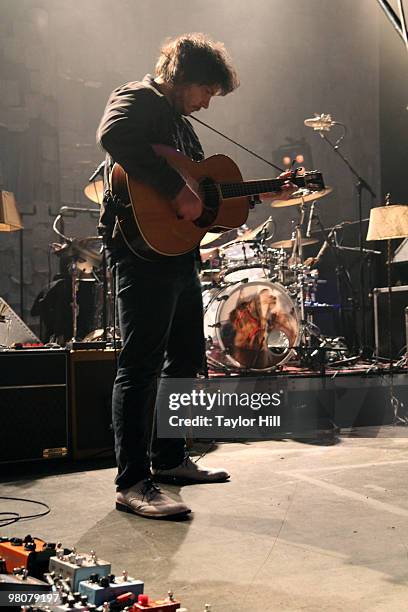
(399, 301)
(92, 373)
(33, 405)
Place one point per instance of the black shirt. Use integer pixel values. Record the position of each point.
(138, 115)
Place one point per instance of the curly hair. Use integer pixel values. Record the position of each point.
(195, 58)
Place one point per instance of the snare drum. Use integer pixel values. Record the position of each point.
(239, 253)
(251, 326)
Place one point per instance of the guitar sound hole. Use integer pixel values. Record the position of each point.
(210, 196)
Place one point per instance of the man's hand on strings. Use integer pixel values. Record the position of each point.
(286, 191)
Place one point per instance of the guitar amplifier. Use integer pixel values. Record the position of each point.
(33, 405)
(92, 373)
(399, 302)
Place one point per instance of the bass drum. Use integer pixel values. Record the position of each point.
(252, 326)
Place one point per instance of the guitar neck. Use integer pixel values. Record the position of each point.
(249, 188)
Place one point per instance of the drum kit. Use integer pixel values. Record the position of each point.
(259, 296)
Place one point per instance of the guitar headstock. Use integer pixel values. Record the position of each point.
(311, 180)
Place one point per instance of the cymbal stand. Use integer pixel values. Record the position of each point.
(297, 254)
(308, 329)
(297, 251)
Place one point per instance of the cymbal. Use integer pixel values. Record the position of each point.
(209, 238)
(302, 195)
(94, 191)
(288, 244)
(85, 251)
(243, 233)
(251, 234)
(214, 239)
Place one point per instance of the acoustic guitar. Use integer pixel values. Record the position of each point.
(151, 224)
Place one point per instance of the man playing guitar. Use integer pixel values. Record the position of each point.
(159, 296)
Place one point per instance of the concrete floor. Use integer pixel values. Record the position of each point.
(299, 527)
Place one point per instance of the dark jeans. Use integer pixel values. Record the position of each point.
(161, 322)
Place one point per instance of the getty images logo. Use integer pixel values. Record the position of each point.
(219, 399)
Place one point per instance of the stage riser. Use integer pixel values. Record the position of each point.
(58, 400)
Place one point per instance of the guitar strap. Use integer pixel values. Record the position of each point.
(238, 144)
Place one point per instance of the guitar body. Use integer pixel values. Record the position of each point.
(151, 224)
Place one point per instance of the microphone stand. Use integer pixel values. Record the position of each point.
(100, 171)
(360, 185)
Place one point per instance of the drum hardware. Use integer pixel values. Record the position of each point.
(74, 297)
(221, 298)
(87, 262)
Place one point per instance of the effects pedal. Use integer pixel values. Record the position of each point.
(76, 567)
(106, 588)
(21, 583)
(73, 601)
(159, 605)
(31, 553)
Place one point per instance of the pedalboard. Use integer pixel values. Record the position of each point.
(40, 576)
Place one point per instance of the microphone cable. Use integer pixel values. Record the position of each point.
(16, 516)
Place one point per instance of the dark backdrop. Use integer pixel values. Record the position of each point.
(60, 59)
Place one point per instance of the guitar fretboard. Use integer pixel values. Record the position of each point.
(248, 188)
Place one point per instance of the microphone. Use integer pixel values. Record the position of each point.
(325, 245)
(309, 223)
(320, 123)
(98, 171)
(320, 254)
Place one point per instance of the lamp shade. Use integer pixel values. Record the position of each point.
(10, 219)
(388, 222)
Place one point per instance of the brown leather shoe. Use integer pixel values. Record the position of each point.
(146, 499)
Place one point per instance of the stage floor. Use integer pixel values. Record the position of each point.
(300, 526)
